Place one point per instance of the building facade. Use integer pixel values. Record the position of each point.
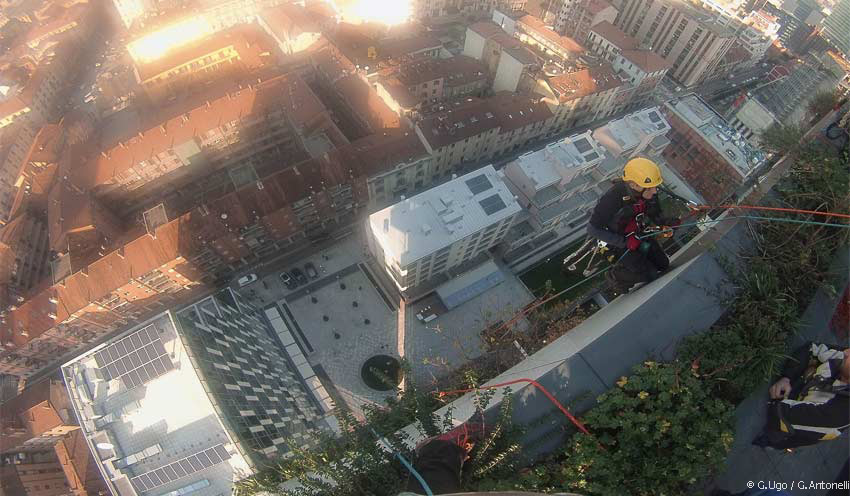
(420, 238)
(704, 150)
(691, 39)
(576, 17)
(240, 400)
(836, 27)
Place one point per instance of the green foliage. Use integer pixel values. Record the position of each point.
(821, 102)
(656, 433)
(355, 464)
(790, 263)
(781, 139)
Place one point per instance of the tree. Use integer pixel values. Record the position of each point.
(821, 102)
(782, 139)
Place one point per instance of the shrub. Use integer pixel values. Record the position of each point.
(656, 433)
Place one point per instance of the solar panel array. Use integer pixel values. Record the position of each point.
(582, 145)
(478, 184)
(492, 204)
(181, 468)
(135, 360)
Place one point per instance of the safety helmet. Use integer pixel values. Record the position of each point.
(643, 172)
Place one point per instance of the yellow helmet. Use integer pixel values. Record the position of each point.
(643, 172)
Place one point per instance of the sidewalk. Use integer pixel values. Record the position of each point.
(820, 462)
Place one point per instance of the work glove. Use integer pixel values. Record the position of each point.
(635, 244)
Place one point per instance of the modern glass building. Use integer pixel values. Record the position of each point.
(194, 399)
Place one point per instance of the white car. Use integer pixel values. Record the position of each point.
(246, 280)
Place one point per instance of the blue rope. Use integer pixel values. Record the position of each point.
(406, 464)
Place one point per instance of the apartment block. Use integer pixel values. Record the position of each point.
(532, 31)
(511, 64)
(576, 17)
(16, 140)
(293, 27)
(42, 450)
(422, 237)
(482, 129)
(424, 9)
(543, 181)
(836, 27)
(240, 400)
(410, 86)
(583, 96)
(704, 150)
(641, 68)
(693, 40)
(233, 51)
(23, 256)
(559, 185)
(222, 136)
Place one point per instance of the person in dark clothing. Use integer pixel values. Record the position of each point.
(811, 401)
(620, 219)
(440, 459)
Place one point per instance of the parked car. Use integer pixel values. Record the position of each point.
(311, 270)
(246, 280)
(287, 279)
(299, 276)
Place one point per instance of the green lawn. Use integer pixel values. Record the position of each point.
(555, 271)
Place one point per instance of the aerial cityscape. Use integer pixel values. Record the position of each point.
(262, 247)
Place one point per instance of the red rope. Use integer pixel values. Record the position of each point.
(775, 209)
(537, 385)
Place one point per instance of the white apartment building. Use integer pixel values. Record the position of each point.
(640, 133)
(553, 184)
(426, 235)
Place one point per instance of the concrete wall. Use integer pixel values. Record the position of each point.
(473, 45)
(508, 74)
(585, 362)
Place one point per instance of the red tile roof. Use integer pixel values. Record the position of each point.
(597, 6)
(585, 82)
(244, 39)
(616, 37)
(486, 29)
(564, 42)
(648, 61)
(287, 91)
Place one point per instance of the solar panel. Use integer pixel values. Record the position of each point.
(478, 184)
(591, 156)
(136, 359)
(654, 117)
(492, 204)
(181, 468)
(582, 145)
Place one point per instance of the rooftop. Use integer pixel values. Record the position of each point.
(587, 81)
(565, 42)
(176, 125)
(394, 48)
(614, 35)
(559, 161)
(243, 39)
(429, 221)
(516, 110)
(647, 60)
(147, 439)
(634, 129)
(289, 20)
(459, 123)
(716, 131)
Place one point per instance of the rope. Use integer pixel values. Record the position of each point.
(534, 383)
(775, 209)
(404, 462)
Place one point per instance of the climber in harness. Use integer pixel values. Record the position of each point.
(624, 218)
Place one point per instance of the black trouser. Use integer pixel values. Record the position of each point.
(636, 267)
(440, 464)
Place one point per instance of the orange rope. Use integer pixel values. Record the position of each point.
(775, 209)
(536, 385)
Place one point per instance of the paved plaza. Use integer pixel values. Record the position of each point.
(354, 318)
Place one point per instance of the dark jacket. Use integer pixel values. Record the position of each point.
(614, 210)
(818, 407)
